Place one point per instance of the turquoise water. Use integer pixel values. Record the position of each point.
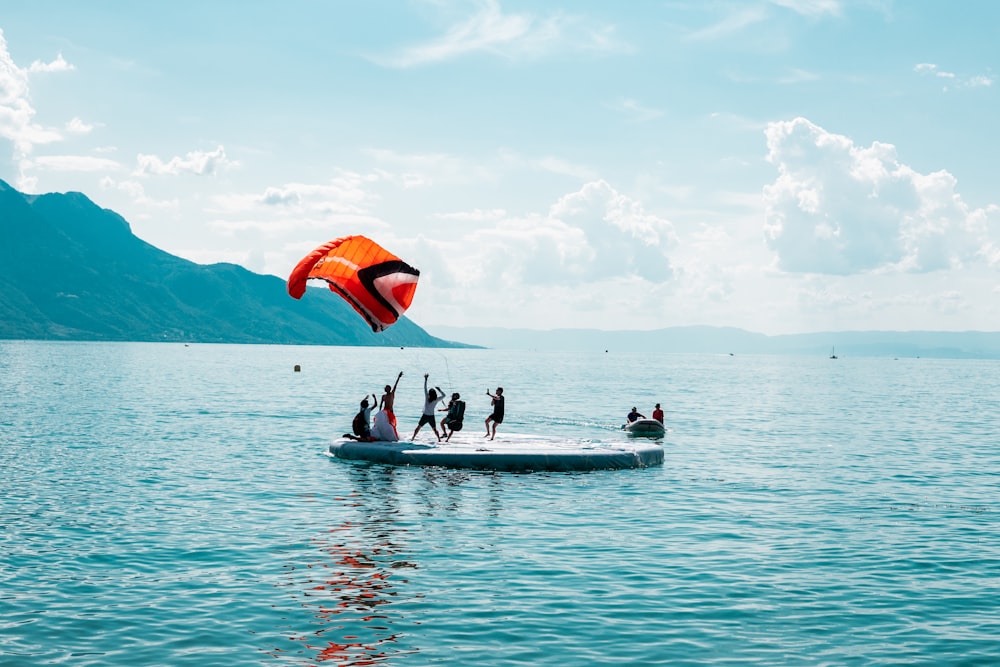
(172, 505)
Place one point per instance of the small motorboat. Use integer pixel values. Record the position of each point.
(649, 428)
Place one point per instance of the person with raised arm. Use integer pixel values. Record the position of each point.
(387, 404)
(431, 399)
(496, 417)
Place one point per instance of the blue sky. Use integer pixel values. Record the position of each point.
(782, 166)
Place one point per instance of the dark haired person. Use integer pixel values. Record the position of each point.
(658, 413)
(497, 416)
(452, 421)
(387, 406)
(362, 424)
(431, 399)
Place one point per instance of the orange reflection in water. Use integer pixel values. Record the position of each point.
(351, 587)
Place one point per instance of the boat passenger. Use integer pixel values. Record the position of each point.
(658, 413)
(635, 415)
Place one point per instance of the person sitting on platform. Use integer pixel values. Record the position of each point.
(452, 421)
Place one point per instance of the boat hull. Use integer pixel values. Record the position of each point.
(649, 428)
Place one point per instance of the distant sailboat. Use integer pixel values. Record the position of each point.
(833, 353)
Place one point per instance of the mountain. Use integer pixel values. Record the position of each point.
(727, 340)
(70, 270)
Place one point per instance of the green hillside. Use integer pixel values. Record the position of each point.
(70, 270)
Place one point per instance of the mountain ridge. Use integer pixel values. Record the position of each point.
(71, 270)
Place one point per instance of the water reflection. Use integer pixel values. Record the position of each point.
(351, 587)
(354, 590)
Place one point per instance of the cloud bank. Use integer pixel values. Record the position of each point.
(200, 163)
(841, 209)
(16, 111)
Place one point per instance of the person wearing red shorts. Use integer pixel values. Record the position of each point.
(387, 402)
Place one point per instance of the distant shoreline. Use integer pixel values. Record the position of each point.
(729, 340)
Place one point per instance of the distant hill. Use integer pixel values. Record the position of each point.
(726, 340)
(70, 270)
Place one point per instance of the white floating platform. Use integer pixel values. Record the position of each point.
(509, 453)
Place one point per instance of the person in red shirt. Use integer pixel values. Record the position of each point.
(658, 413)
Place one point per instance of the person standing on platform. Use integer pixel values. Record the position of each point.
(387, 405)
(431, 399)
(496, 418)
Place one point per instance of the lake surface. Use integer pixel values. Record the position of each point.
(163, 504)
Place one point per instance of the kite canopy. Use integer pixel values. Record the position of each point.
(375, 282)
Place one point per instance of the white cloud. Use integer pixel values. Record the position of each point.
(595, 234)
(200, 163)
(475, 215)
(932, 70)
(959, 81)
(811, 7)
(336, 207)
(796, 75)
(738, 18)
(57, 65)
(77, 126)
(979, 81)
(26, 183)
(837, 208)
(736, 122)
(490, 30)
(563, 167)
(71, 163)
(410, 170)
(16, 112)
(635, 110)
(732, 23)
(137, 193)
(346, 193)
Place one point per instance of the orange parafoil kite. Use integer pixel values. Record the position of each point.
(375, 282)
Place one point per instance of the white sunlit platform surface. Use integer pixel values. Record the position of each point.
(515, 453)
